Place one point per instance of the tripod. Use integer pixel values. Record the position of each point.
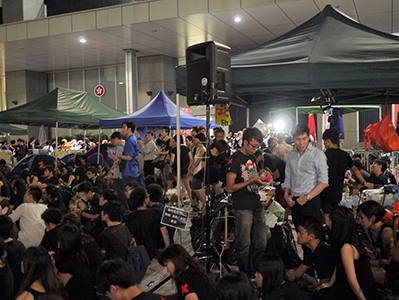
(208, 251)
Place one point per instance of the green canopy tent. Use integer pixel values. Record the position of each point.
(7, 129)
(61, 108)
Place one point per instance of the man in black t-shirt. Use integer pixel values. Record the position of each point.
(243, 181)
(167, 176)
(88, 207)
(338, 162)
(316, 253)
(116, 281)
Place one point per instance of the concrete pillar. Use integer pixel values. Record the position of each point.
(131, 79)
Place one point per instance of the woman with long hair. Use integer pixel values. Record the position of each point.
(379, 237)
(270, 278)
(235, 286)
(17, 196)
(73, 265)
(192, 281)
(352, 277)
(39, 276)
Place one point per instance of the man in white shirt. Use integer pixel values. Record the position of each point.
(148, 149)
(29, 213)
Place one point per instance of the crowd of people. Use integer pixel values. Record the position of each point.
(70, 227)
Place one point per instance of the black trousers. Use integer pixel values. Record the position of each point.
(309, 209)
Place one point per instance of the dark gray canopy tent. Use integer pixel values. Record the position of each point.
(330, 53)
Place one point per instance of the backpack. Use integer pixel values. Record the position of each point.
(137, 257)
(282, 243)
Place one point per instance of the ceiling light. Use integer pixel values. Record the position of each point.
(82, 40)
(120, 82)
(237, 18)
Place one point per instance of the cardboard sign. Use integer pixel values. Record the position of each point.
(175, 217)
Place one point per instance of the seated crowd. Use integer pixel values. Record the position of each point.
(66, 230)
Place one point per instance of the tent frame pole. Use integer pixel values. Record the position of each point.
(56, 143)
(178, 150)
(99, 145)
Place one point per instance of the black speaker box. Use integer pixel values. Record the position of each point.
(208, 67)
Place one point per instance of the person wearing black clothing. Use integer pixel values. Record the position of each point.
(6, 276)
(17, 197)
(14, 248)
(338, 162)
(80, 172)
(88, 206)
(192, 281)
(388, 174)
(111, 238)
(52, 219)
(95, 180)
(145, 224)
(115, 281)
(243, 181)
(52, 196)
(167, 176)
(377, 177)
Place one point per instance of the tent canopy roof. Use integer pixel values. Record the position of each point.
(329, 51)
(12, 130)
(68, 107)
(160, 111)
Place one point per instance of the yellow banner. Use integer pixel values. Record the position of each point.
(223, 115)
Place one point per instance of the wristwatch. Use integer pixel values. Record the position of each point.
(307, 197)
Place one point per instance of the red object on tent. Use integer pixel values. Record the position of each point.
(312, 127)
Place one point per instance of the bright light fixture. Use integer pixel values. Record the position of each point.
(120, 82)
(82, 40)
(237, 18)
(279, 125)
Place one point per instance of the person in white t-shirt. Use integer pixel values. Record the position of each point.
(29, 216)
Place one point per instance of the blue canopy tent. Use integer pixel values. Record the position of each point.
(160, 111)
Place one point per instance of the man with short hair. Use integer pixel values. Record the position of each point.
(130, 153)
(88, 206)
(29, 215)
(166, 174)
(243, 181)
(316, 252)
(306, 176)
(148, 149)
(115, 280)
(110, 238)
(52, 220)
(338, 162)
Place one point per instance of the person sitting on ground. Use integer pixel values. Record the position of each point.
(79, 173)
(115, 239)
(15, 250)
(52, 219)
(379, 238)
(115, 281)
(156, 197)
(4, 167)
(88, 205)
(6, 276)
(192, 281)
(129, 188)
(38, 170)
(52, 196)
(388, 173)
(352, 277)
(270, 278)
(235, 286)
(378, 177)
(145, 224)
(39, 276)
(17, 197)
(73, 265)
(29, 216)
(316, 253)
(96, 181)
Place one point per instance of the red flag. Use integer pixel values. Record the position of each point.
(312, 127)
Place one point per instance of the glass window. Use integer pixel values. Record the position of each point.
(77, 80)
(61, 80)
(108, 79)
(91, 77)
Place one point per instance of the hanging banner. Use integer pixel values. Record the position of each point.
(312, 127)
(222, 115)
(188, 110)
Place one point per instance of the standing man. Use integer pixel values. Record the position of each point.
(282, 149)
(148, 149)
(243, 180)
(306, 176)
(130, 153)
(338, 163)
(166, 174)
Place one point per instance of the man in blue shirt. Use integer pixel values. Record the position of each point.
(306, 176)
(130, 153)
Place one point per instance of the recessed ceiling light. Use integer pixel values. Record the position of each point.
(82, 40)
(154, 30)
(120, 82)
(237, 18)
